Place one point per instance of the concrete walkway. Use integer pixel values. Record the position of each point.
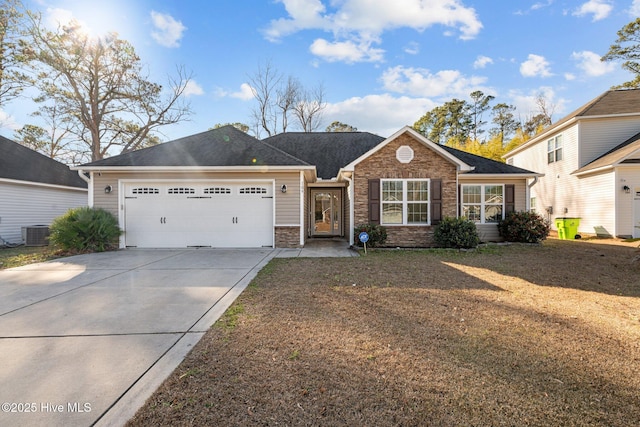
(319, 248)
(87, 339)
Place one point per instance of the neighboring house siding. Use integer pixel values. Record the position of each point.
(625, 204)
(287, 204)
(426, 164)
(24, 205)
(598, 136)
(489, 232)
(557, 188)
(594, 203)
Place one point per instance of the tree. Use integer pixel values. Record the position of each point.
(99, 85)
(56, 141)
(13, 51)
(276, 98)
(448, 121)
(504, 119)
(240, 126)
(308, 108)
(479, 105)
(337, 126)
(627, 48)
(264, 83)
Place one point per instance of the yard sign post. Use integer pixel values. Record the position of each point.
(364, 238)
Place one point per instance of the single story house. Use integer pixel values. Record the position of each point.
(224, 188)
(34, 189)
(591, 165)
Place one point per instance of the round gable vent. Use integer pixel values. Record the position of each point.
(404, 154)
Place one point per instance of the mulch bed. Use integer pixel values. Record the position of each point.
(516, 335)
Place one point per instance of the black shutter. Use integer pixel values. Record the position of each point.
(509, 198)
(436, 201)
(374, 201)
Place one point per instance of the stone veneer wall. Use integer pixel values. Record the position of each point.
(288, 237)
(425, 164)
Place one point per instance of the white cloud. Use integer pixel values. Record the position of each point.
(57, 17)
(362, 22)
(535, 66)
(482, 61)
(526, 103)
(569, 76)
(634, 10)
(421, 82)
(347, 51)
(193, 88)
(168, 31)
(8, 122)
(590, 64)
(380, 114)
(412, 48)
(600, 9)
(245, 93)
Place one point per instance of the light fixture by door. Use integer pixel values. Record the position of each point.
(108, 189)
(283, 188)
(626, 189)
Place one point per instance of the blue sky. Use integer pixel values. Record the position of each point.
(383, 63)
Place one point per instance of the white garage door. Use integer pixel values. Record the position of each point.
(195, 214)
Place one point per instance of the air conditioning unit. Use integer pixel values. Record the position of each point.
(35, 235)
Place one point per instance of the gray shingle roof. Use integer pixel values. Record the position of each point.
(484, 165)
(20, 163)
(225, 146)
(329, 151)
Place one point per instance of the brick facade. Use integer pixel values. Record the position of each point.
(425, 164)
(287, 237)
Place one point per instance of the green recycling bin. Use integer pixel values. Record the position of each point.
(567, 228)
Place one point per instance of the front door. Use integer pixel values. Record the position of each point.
(327, 212)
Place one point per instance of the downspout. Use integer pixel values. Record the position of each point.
(351, 208)
(89, 181)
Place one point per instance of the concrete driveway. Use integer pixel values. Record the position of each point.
(87, 339)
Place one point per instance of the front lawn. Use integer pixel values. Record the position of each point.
(513, 335)
(23, 255)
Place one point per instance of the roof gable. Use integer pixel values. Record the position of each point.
(20, 163)
(329, 151)
(614, 156)
(611, 103)
(225, 146)
(462, 166)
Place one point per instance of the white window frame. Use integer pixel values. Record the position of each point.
(554, 149)
(405, 202)
(483, 203)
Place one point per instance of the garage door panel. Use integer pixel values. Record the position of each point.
(184, 214)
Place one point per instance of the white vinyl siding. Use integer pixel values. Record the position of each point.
(601, 135)
(626, 202)
(23, 205)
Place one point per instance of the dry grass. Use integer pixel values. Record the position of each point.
(512, 335)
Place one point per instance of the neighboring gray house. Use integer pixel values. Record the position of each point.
(591, 165)
(224, 188)
(34, 189)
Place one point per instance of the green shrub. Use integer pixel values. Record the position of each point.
(85, 230)
(456, 233)
(525, 227)
(377, 234)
